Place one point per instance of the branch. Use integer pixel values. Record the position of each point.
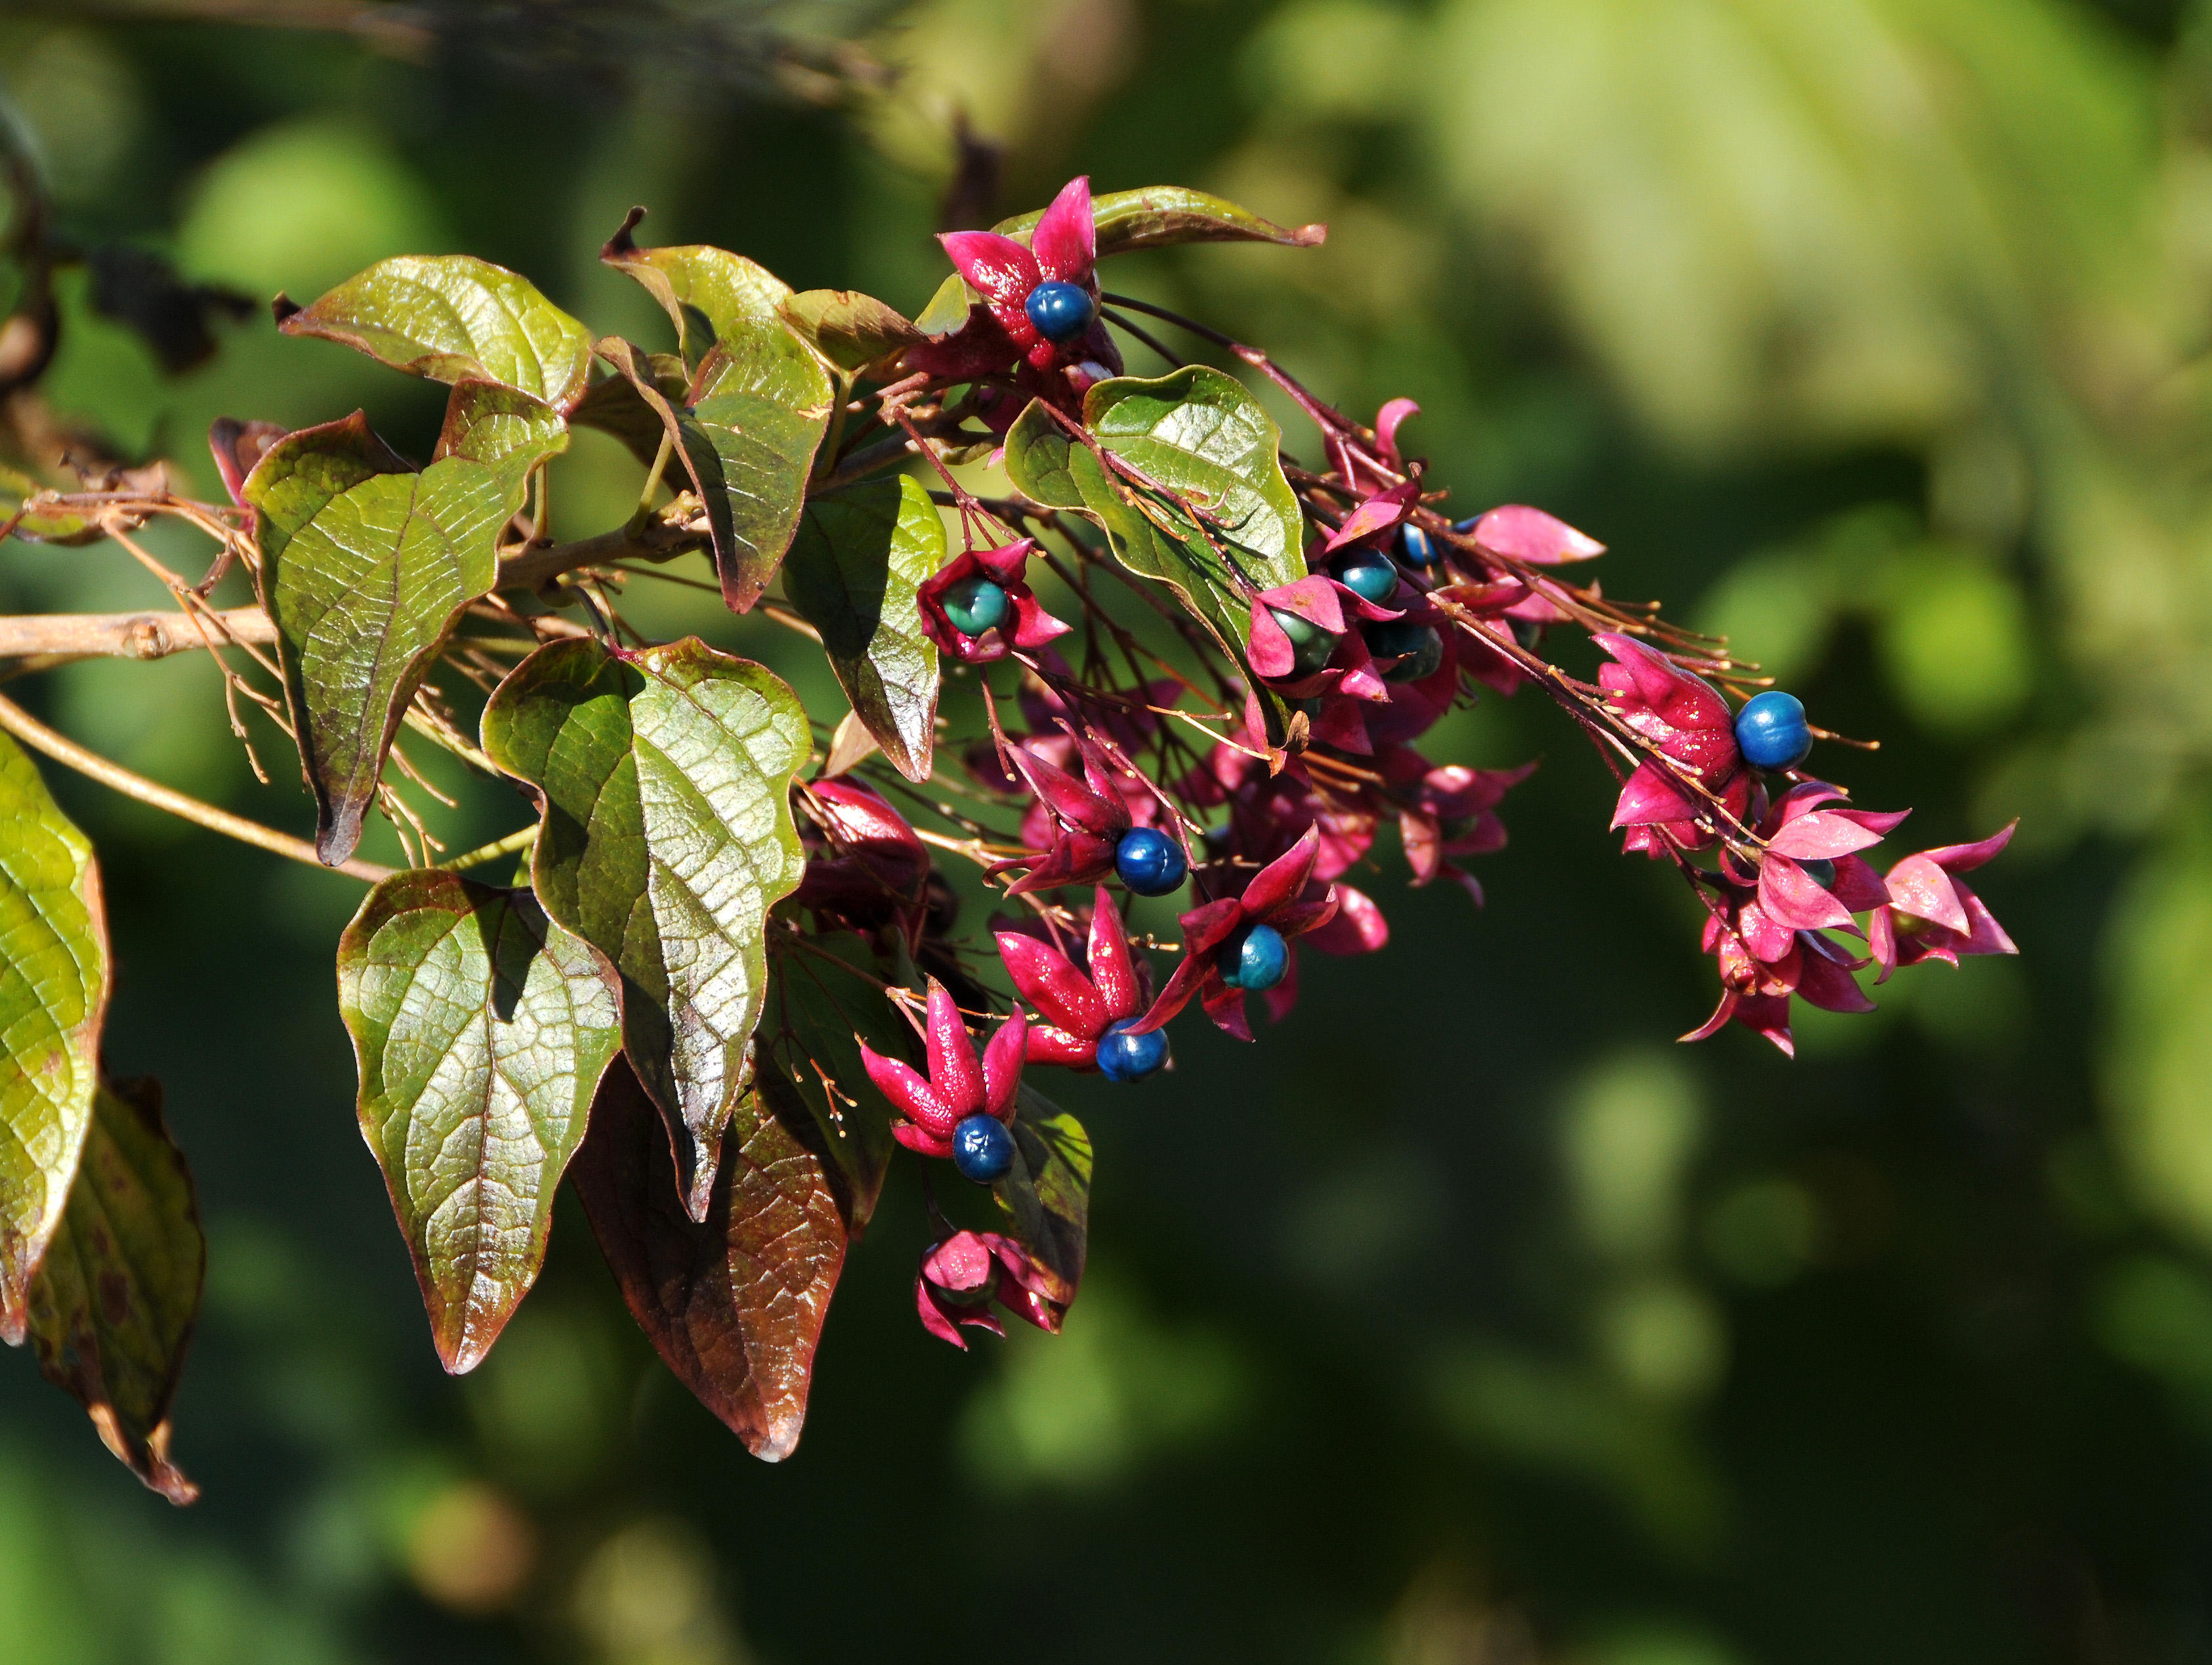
(62, 749)
(146, 635)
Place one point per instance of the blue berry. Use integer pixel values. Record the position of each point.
(982, 1149)
(1368, 574)
(974, 605)
(1060, 311)
(1255, 959)
(1126, 1057)
(1415, 547)
(1417, 647)
(1311, 645)
(1771, 731)
(1150, 862)
(1463, 527)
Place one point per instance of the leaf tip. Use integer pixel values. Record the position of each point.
(337, 834)
(621, 246)
(1308, 237)
(284, 309)
(777, 1441)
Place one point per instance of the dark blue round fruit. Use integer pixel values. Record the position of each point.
(1150, 862)
(1126, 1057)
(1311, 645)
(974, 605)
(1771, 731)
(1463, 527)
(1060, 311)
(1820, 871)
(1368, 574)
(1415, 547)
(1254, 959)
(1417, 647)
(982, 1149)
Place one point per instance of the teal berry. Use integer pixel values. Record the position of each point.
(1820, 871)
(1415, 547)
(1417, 647)
(1368, 574)
(1770, 731)
(1254, 959)
(1060, 311)
(1126, 1057)
(1311, 645)
(975, 605)
(982, 1149)
(1150, 862)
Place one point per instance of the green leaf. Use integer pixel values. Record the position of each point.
(364, 569)
(481, 1029)
(852, 573)
(734, 1302)
(947, 309)
(1203, 435)
(53, 996)
(507, 430)
(665, 779)
(113, 1305)
(1046, 1196)
(758, 407)
(1161, 216)
(41, 525)
(851, 330)
(614, 405)
(451, 317)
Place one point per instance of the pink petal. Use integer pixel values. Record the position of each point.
(1284, 878)
(1378, 514)
(1033, 626)
(1226, 1007)
(1529, 534)
(1312, 598)
(1113, 973)
(1827, 983)
(933, 1318)
(1271, 652)
(953, 1071)
(1858, 886)
(1004, 564)
(1882, 941)
(1048, 1045)
(1986, 936)
(1822, 835)
(1357, 926)
(1768, 1015)
(1651, 675)
(1074, 803)
(1965, 858)
(1065, 240)
(1714, 1025)
(1918, 886)
(1282, 999)
(1788, 895)
(921, 1141)
(1387, 423)
(902, 1084)
(1002, 271)
(1002, 1065)
(1652, 797)
(1063, 996)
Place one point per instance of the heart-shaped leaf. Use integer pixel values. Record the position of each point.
(665, 778)
(1204, 436)
(1046, 1196)
(851, 330)
(365, 567)
(733, 1302)
(1161, 216)
(113, 1305)
(450, 317)
(53, 995)
(758, 407)
(852, 572)
(481, 1029)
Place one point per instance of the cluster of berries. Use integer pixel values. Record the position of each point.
(1309, 748)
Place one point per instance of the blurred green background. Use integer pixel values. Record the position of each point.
(1466, 1320)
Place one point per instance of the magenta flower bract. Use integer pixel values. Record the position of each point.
(1928, 914)
(963, 1273)
(1030, 625)
(1275, 897)
(1074, 1010)
(864, 863)
(956, 1086)
(1088, 815)
(1684, 719)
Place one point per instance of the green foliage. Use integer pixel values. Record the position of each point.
(54, 980)
(663, 777)
(454, 317)
(1046, 1196)
(366, 567)
(852, 572)
(113, 1306)
(1160, 216)
(482, 1030)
